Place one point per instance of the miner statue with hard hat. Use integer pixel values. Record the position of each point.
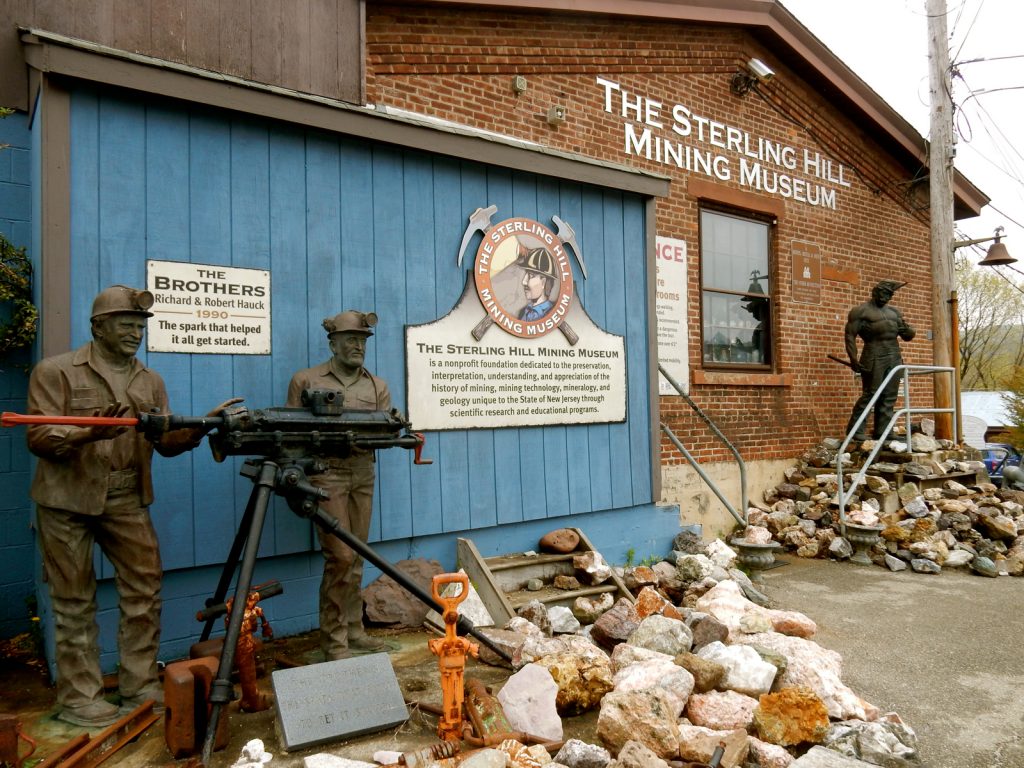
(880, 325)
(539, 279)
(94, 485)
(348, 480)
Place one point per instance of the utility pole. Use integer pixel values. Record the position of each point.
(940, 162)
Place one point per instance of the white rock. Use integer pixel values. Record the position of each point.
(958, 558)
(645, 675)
(323, 760)
(528, 698)
(562, 620)
(721, 554)
(253, 755)
(745, 670)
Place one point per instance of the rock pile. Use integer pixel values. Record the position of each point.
(931, 510)
(700, 662)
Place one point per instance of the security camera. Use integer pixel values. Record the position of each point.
(760, 70)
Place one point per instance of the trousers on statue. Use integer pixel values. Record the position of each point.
(125, 535)
(351, 490)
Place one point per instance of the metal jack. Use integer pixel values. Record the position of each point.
(451, 653)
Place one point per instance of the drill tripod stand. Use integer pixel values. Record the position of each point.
(288, 479)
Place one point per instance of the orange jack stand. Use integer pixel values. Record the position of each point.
(245, 653)
(451, 651)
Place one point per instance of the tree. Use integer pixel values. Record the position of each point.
(991, 327)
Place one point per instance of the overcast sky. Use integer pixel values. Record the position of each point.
(886, 43)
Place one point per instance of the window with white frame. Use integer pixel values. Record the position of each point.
(736, 290)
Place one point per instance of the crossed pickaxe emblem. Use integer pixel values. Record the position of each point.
(480, 221)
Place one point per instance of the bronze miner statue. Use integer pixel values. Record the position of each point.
(348, 480)
(880, 326)
(94, 485)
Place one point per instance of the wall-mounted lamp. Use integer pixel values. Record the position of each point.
(556, 115)
(518, 84)
(997, 255)
(756, 72)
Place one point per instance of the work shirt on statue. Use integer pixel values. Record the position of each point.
(81, 477)
(366, 393)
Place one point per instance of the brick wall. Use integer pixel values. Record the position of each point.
(459, 65)
(16, 545)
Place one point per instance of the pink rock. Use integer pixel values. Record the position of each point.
(725, 602)
(649, 602)
(792, 623)
(721, 710)
(769, 755)
(626, 654)
(814, 667)
(644, 675)
(756, 534)
(698, 744)
(644, 716)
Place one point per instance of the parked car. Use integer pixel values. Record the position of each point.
(999, 455)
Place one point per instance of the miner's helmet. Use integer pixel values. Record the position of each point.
(120, 299)
(889, 285)
(540, 261)
(351, 321)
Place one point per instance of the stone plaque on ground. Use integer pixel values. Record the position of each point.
(336, 700)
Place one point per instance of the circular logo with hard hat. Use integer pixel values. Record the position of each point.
(523, 278)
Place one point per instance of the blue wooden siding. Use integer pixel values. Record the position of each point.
(16, 546)
(340, 223)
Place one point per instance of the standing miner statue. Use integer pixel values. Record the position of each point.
(880, 326)
(94, 484)
(349, 481)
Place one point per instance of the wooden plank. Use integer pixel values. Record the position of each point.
(131, 23)
(387, 296)
(556, 456)
(202, 34)
(508, 483)
(89, 21)
(220, 496)
(290, 328)
(638, 404)
(598, 440)
(494, 600)
(167, 227)
(295, 53)
(252, 375)
(577, 443)
(266, 40)
(85, 204)
(618, 272)
(323, 44)
(168, 28)
(234, 22)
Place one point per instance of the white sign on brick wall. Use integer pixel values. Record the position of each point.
(670, 300)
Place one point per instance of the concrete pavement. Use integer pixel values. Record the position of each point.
(945, 651)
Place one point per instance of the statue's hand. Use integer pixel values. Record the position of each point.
(216, 410)
(115, 410)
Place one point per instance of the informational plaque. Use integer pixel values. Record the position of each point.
(458, 382)
(670, 296)
(336, 700)
(208, 309)
(806, 259)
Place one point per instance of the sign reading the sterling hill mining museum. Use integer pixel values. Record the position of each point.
(517, 349)
(208, 309)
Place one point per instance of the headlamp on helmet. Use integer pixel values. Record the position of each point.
(351, 321)
(118, 299)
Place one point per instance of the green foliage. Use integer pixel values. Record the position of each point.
(991, 316)
(19, 329)
(630, 557)
(1014, 402)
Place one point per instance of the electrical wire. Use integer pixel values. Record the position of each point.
(967, 34)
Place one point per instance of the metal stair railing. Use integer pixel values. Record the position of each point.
(741, 519)
(906, 371)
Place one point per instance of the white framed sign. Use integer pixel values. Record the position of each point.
(208, 309)
(670, 303)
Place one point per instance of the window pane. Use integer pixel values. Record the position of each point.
(736, 329)
(734, 253)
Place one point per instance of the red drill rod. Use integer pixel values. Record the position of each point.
(9, 419)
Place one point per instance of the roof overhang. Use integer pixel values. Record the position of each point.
(54, 54)
(778, 30)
